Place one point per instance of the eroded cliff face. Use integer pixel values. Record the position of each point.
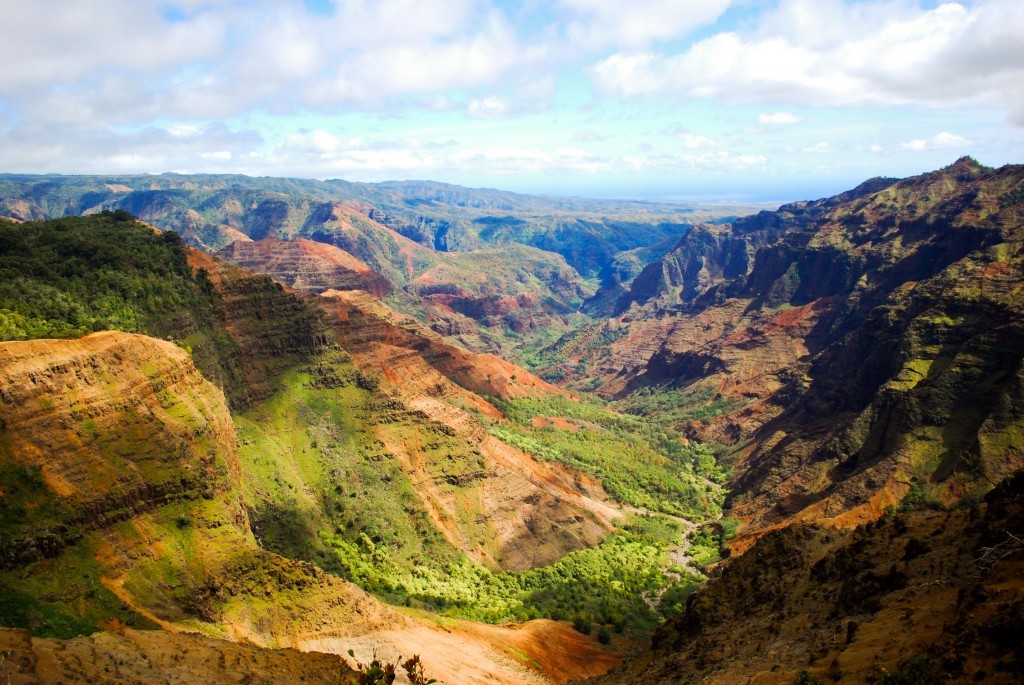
(492, 300)
(122, 504)
(923, 596)
(527, 513)
(262, 331)
(852, 351)
(100, 429)
(135, 657)
(306, 265)
(121, 480)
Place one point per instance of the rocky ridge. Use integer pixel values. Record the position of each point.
(852, 350)
(922, 596)
(306, 265)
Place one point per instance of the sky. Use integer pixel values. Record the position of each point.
(661, 99)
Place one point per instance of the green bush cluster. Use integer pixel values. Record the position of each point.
(321, 487)
(674, 406)
(609, 585)
(639, 462)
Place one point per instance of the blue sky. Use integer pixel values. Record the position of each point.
(687, 99)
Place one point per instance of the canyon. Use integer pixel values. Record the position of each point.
(417, 419)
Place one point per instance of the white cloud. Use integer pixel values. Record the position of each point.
(218, 155)
(395, 69)
(827, 52)
(779, 119)
(379, 89)
(502, 160)
(33, 148)
(692, 141)
(487, 108)
(183, 130)
(940, 141)
(819, 148)
(60, 41)
(60, 59)
(588, 137)
(722, 160)
(599, 23)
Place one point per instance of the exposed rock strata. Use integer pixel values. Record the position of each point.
(534, 512)
(306, 265)
(114, 424)
(926, 596)
(851, 350)
(134, 657)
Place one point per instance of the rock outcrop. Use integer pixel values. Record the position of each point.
(917, 597)
(306, 265)
(852, 351)
(137, 657)
(100, 429)
(261, 331)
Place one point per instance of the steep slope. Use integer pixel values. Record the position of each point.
(72, 437)
(122, 505)
(399, 230)
(495, 300)
(917, 597)
(136, 657)
(854, 350)
(306, 265)
(69, 277)
(507, 509)
(120, 465)
(515, 292)
(256, 332)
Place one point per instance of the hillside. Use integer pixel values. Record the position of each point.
(333, 458)
(123, 506)
(353, 450)
(497, 271)
(917, 597)
(499, 300)
(213, 210)
(853, 351)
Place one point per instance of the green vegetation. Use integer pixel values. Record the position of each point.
(69, 277)
(640, 462)
(320, 483)
(27, 504)
(327, 459)
(709, 542)
(921, 670)
(383, 673)
(322, 487)
(606, 585)
(705, 548)
(675, 406)
(62, 597)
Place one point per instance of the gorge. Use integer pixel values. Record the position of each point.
(531, 440)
